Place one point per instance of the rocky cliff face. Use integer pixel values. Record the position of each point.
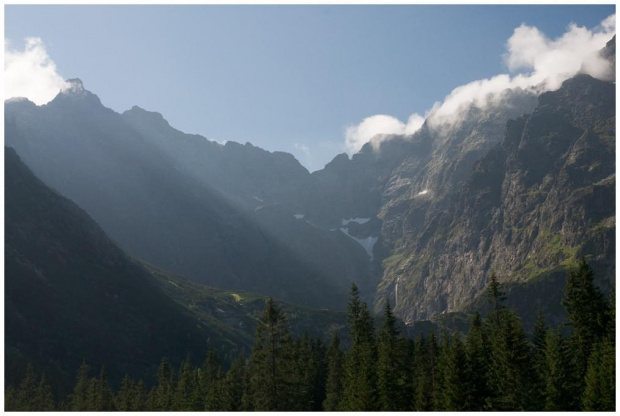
(535, 203)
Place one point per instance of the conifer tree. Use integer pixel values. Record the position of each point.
(232, 386)
(425, 374)
(79, 397)
(44, 399)
(27, 390)
(335, 375)
(510, 363)
(539, 361)
(496, 297)
(588, 315)
(91, 396)
(213, 399)
(185, 387)
(310, 357)
(208, 394)
(600, 379)
(319, 373)
(165, 388)
(247, 398)
(391, 365)
(510, 376)
(353, 310)
(104, 400)
(556, 374)
(151, 399)
(477, 352)
(273, 377)
(10, 399)
(452, 362)
(125, 396)
(140, 397)
(360, 384)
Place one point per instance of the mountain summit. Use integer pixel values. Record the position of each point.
(73, 86)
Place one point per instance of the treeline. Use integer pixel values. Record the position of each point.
(494, 367)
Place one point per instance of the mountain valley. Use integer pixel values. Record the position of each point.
(118, 220)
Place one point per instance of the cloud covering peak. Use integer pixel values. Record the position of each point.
(30, 73)
(537, 64)
(377, 128)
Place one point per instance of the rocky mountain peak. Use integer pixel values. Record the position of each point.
(74, 92)
(74, 86)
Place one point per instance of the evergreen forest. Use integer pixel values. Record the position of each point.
(496, 366)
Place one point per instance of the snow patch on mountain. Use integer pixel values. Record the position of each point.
(357, 220)
(368, 243)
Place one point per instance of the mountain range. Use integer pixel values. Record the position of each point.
(521, 189)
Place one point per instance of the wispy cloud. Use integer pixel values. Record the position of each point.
(31, 73)
(536, 63)
(376, 129)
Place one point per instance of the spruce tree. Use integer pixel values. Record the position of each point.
(600, 379)
(496, 297)
(151, 399)
(556, 374)
(125, 396)
(232, 386)
(208, 394)
(79, 397)
(140, 398)
(360, 382)
(510, 363)
(247, 397)
(319, 373)
(27, 391)
(335, 375)
(310, 357)
(165, 388)
(104, 400)
(10, 399)
(272, 379)
(44, 399)
(425, 374)
(91, 395)
(213, 399)
(539, 361)
(452, 395)
(511, 380)
(185, 388)
(391, 366)
(588, 315)
(477, 352)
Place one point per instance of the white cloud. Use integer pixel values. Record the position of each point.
(31, 73)
(378, 128)
(537, 63)
(544, 64)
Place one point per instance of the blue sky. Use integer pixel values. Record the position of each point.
(289, 78)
